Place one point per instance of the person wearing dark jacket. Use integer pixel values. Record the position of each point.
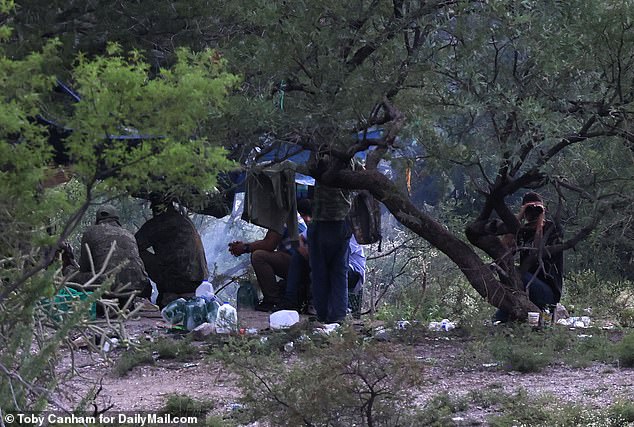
(541, 270)
(172, 252)
(126, 264)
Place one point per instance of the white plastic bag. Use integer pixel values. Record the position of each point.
(283, 319)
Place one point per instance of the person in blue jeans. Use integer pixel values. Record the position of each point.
(542, 270)
(329, 235)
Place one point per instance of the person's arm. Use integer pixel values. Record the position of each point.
(142, 240)
(270, 242)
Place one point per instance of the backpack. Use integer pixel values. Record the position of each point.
(365, 218)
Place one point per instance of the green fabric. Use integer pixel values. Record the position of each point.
(62, 303)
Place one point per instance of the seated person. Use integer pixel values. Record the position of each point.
(96, 242)
(543, 278)
(270, 257)
(172, 252)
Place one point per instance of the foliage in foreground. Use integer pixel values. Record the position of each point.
(119, 95)
(520, 409)
(346, 382)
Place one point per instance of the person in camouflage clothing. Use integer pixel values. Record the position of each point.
(172, 252)
(124, 262)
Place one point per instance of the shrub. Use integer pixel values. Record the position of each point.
(132, 358)
(625, 350)
(181, 405)
(167, 348)
(346, 383)
(521, 349)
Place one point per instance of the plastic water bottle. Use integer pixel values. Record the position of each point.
(227, 319)
(195, 313)
(212, 309)
(247, 297)
(174, 312)
(205, 290)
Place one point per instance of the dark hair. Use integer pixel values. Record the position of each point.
(531, 197)
(304, 207)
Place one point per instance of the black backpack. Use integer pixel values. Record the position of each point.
(365, 218)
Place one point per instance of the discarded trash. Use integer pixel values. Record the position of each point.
(560, 312)
(443, 325)
(236, 406)
(195, 313)
(205, 290)
(109, 344)
(252, 331)
(584, 336)
(227, 319)
(489, 365)
(288, 347)
(283, 319)
(204, 330)
(327, 329)
(190, 365)
(403, 324)
(174, 312)
(381, 334)
(213, 304)
(576, 322)
(533, 318)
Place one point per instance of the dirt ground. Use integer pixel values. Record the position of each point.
(145, 388)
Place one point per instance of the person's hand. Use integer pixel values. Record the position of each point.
(237, 248)
(65, 252)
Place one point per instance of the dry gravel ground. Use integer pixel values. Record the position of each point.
(145, 388)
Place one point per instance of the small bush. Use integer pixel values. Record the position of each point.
(181, 405)
(622, 411)
(487, 397)
(132, 358)
(351, 382)
(438, 411)
(521, 349)
(625, 350)
(171, 349)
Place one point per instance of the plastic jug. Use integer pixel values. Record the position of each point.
(195, 313)
(174, 312)
(227, 319)
(247, 297)
(205, 290)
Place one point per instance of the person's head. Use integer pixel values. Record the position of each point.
(532, 206)
(107, 213)
(159, 203)
(305, 210)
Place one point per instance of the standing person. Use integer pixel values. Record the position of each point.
(329, 249)
(542, 271)
(270, 257)
(96, 243)
(172, 252)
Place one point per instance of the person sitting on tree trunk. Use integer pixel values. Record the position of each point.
(172, 252)
(96, 244)
(541, 271)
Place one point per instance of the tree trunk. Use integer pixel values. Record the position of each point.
(479, 274)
